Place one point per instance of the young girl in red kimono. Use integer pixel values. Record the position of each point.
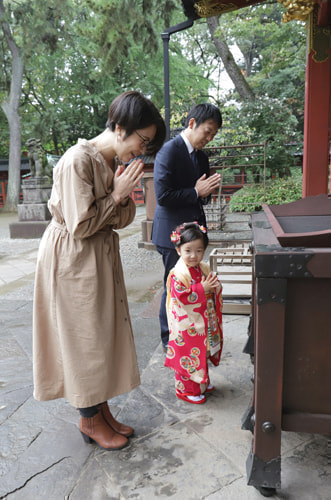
(194, 310)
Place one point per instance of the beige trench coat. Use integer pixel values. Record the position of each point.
(83, 346)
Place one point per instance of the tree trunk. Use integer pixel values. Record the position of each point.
(248, 56)
(238, 79)
(10, 107)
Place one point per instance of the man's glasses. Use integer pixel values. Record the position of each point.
(144, 142)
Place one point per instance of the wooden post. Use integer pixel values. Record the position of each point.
(317, 129)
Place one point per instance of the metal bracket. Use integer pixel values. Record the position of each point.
(283, 265)
(247, 421)
(249, 346)
(261, 473)
(270, 290)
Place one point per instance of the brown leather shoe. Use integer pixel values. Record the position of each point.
(124, 430)
(96, 429)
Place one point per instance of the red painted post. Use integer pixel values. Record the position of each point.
(317, 110)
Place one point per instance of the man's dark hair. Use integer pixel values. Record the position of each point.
(203, 112)
(132, 111)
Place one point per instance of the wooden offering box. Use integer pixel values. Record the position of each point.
(291, 330)
(305, 222)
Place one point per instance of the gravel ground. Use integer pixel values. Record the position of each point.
(134, 260)
(138, 261)
(9, 247)
(142, 268)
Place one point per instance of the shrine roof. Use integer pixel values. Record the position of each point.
(296, 9)
(196, 9)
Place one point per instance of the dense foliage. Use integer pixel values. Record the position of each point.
(275, 192)
(77, 55)
(271, 120)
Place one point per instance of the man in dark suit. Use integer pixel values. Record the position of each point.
(182, 184)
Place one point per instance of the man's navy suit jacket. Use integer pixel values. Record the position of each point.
(175, 176)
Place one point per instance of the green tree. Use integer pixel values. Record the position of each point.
(26, 28)
(67, 91)
(274, 53)
(11, 89)
(267, 45)
(78, 55)
(66, 98)
(242, 86)
(268, 80)
(271, 120)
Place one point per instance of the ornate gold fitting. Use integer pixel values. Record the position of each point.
(297, 9)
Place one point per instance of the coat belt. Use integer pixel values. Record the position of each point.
(111, 242)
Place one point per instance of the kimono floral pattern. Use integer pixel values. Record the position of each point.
(195, 325)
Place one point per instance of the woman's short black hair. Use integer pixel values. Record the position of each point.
(189, 231)
(133, 111)
(203, 112)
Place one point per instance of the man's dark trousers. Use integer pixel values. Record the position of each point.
(169, 257)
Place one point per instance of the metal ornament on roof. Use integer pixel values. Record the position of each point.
(209, 8)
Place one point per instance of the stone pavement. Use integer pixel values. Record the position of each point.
(179, 451)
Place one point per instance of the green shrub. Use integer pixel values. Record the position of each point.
(277, 192)
(265, 119)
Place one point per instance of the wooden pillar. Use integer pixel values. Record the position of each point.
(317, 129)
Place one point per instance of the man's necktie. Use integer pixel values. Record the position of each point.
(194, 157)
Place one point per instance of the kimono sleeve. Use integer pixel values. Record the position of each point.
(187, 307)
(187, 353)
(187, 295)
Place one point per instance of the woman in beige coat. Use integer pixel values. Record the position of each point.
(83, 346)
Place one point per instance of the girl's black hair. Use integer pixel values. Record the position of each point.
(190, 231)
(133, 111)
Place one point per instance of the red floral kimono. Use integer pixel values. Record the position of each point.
(195, 324)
